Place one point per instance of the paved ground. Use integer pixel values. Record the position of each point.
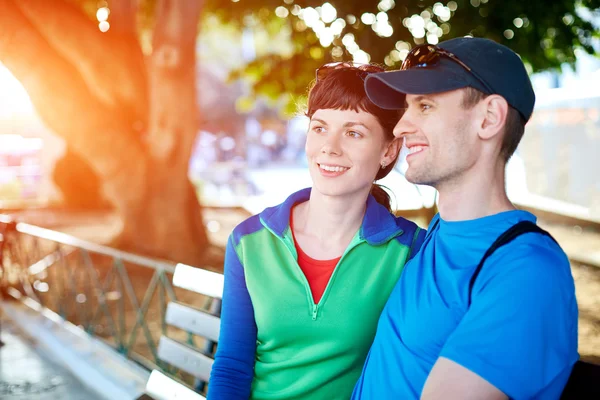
(26, 374)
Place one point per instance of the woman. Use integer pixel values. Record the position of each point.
(305, 281)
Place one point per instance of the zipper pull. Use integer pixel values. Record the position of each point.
(315, 310)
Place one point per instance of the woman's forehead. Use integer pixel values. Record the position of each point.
(335, 115)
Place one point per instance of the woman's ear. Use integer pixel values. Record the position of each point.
(495, 110)
(392, 151)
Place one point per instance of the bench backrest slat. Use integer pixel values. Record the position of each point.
(206, 324)
(194, 321)
(198, 280)
(162, 387)
(185, 358)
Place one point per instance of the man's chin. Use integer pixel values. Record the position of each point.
(414, 177)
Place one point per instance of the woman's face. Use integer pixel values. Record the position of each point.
(345, 150)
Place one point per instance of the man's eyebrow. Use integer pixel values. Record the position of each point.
(417, 99)
(421, 97)
(318, 120)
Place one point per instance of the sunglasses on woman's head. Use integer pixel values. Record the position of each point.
(365, 69)
(427, 56)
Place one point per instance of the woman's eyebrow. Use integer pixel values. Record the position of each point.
(354, 123)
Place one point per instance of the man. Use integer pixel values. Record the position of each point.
(513, 332)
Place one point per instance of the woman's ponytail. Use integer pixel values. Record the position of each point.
(381, 196)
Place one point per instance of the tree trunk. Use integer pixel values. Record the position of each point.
(80, 186)
(92, 89)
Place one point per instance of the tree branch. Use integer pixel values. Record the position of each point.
(77, 39)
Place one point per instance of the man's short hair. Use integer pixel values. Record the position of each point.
(514, 127)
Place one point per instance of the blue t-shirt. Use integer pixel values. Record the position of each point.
(519, 334)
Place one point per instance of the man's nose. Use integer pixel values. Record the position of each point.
(404, 127)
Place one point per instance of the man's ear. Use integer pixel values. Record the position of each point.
(494, 109)
(392, 151)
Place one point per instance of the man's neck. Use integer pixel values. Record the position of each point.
(476, 194)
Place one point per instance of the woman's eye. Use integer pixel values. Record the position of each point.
(318, 129)
(425, 107)
(354, 134)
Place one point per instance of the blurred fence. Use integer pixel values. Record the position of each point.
(118, 297)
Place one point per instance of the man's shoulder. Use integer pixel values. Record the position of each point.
(531, 248)
(531, 262)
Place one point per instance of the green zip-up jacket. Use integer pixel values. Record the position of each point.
(275, 342)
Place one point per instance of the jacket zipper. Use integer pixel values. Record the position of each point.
(352, 245)
(289, 244)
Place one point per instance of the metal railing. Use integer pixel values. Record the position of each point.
(116, 296)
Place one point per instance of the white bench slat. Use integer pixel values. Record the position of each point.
(162, 387)
(185, 358)
(194, 321)
(198, 280)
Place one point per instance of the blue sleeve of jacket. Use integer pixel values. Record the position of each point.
(233, 369)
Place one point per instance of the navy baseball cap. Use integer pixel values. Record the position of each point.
(494, 69)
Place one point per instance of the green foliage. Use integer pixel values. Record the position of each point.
(544, 33)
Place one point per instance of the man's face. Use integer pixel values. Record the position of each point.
(439, 134)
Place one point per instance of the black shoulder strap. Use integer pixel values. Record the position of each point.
(507, 237)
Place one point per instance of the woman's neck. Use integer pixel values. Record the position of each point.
(325, 225)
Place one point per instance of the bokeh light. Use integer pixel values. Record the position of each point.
(104, 26)
(386, 5)
(568, 19)
(361, 57)
(368, 18)
(328, 13)
(326, 37)
(102, 14)
(310, 16)
(281, 12)
(518, 22)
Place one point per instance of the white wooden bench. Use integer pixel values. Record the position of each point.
(195, 361)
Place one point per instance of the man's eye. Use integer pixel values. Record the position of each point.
(318, 129)
(425, 107)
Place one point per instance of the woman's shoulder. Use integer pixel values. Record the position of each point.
(412, 234)
(407, 224)
(248, 226)
(274, 218)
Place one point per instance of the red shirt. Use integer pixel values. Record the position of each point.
(317, 272)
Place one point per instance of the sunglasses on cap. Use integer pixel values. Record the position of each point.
(427, 56)
(362, 69)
